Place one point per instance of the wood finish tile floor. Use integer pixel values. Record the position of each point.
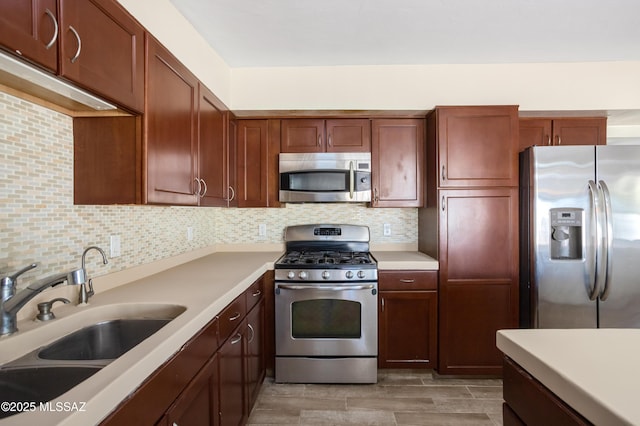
(401, 397)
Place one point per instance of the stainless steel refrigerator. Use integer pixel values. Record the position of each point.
(580, 237)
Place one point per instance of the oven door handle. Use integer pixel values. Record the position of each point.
(327, 287)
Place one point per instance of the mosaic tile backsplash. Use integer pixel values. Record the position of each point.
(39, 223)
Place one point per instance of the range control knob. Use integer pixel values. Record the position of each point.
(291, 275)
(326, 275)
(361, 274)
(349, 274)
(303, 275)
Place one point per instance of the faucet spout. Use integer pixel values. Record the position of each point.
(12, 304)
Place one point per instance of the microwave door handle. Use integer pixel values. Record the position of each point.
(352, 178)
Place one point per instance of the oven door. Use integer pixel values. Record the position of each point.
(321, 319)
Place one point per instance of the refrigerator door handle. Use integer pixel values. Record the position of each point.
(608, 237)
(594, 282)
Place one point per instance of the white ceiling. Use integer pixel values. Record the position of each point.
(269, 33)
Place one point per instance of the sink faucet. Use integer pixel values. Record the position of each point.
(85, 294)
(12, 302)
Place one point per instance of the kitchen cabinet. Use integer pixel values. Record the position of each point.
(562, 131)
(407, 319)
(474, 146)
(197, 405)
(257, 162)
(470, 224)
(94, 43)
(397, 154)
(29, 29)
(529, 402)
(204, 382)
(478, 291)
(330, 135)
(214, 151)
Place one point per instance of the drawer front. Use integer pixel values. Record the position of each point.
(407, 280)
(255, 293)
(231, 317)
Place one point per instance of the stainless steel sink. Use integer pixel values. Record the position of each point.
(102, 341)
(39, 384)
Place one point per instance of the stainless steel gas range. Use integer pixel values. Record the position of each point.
(326, 306)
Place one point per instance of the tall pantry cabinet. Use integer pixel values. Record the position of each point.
(470, 224)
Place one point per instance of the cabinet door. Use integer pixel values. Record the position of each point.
(407, 329)
(28, 29)
(535, 132)
(231, 391)
(397, 154)
(212, 150)
(348, 135)
(254, 354)
(478, 291)
(197, 405)
(477, 146)
(170, 125)
(102, 50)
(580, 131)
(302, 135)
(252, 166)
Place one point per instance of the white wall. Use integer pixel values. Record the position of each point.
(555, 86)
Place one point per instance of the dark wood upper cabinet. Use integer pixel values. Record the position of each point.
(397, 154)
(29, 30)
(476, 145)
(213, 150)
(331, 135)
(102, 49)
(562, 131)
(170, 141)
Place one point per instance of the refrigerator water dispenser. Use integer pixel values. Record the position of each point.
(566, 233)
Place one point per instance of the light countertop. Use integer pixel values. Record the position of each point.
(408, 260)
(202, 283)
(203, 286)
(595, 371)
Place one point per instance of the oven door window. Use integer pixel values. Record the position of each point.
(326, 319)
(316, 181)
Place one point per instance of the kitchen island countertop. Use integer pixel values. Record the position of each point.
(594, 371)
(203, 286)
(407, 260)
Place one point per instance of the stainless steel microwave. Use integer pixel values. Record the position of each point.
(325, 177)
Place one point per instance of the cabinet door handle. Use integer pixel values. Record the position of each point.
(407, 281)
(55, 29)
(236, 339)
(444, 177)
(235, 316)
(199, 189)
(329, 140)
(382, 303)
(253, 333)
(375, 195)
(443, 203)
(257, 293)
(77, 55)
(559, 140)
(549, 140)
(233, 193)
(204, 187)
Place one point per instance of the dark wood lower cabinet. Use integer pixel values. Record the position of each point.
(529, 402)
(204, 383)
(408, 316)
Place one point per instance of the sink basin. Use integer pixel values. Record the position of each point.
(39, 384)
(105, 340)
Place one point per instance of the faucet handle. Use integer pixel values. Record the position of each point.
(44, 308)
(10, 280)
